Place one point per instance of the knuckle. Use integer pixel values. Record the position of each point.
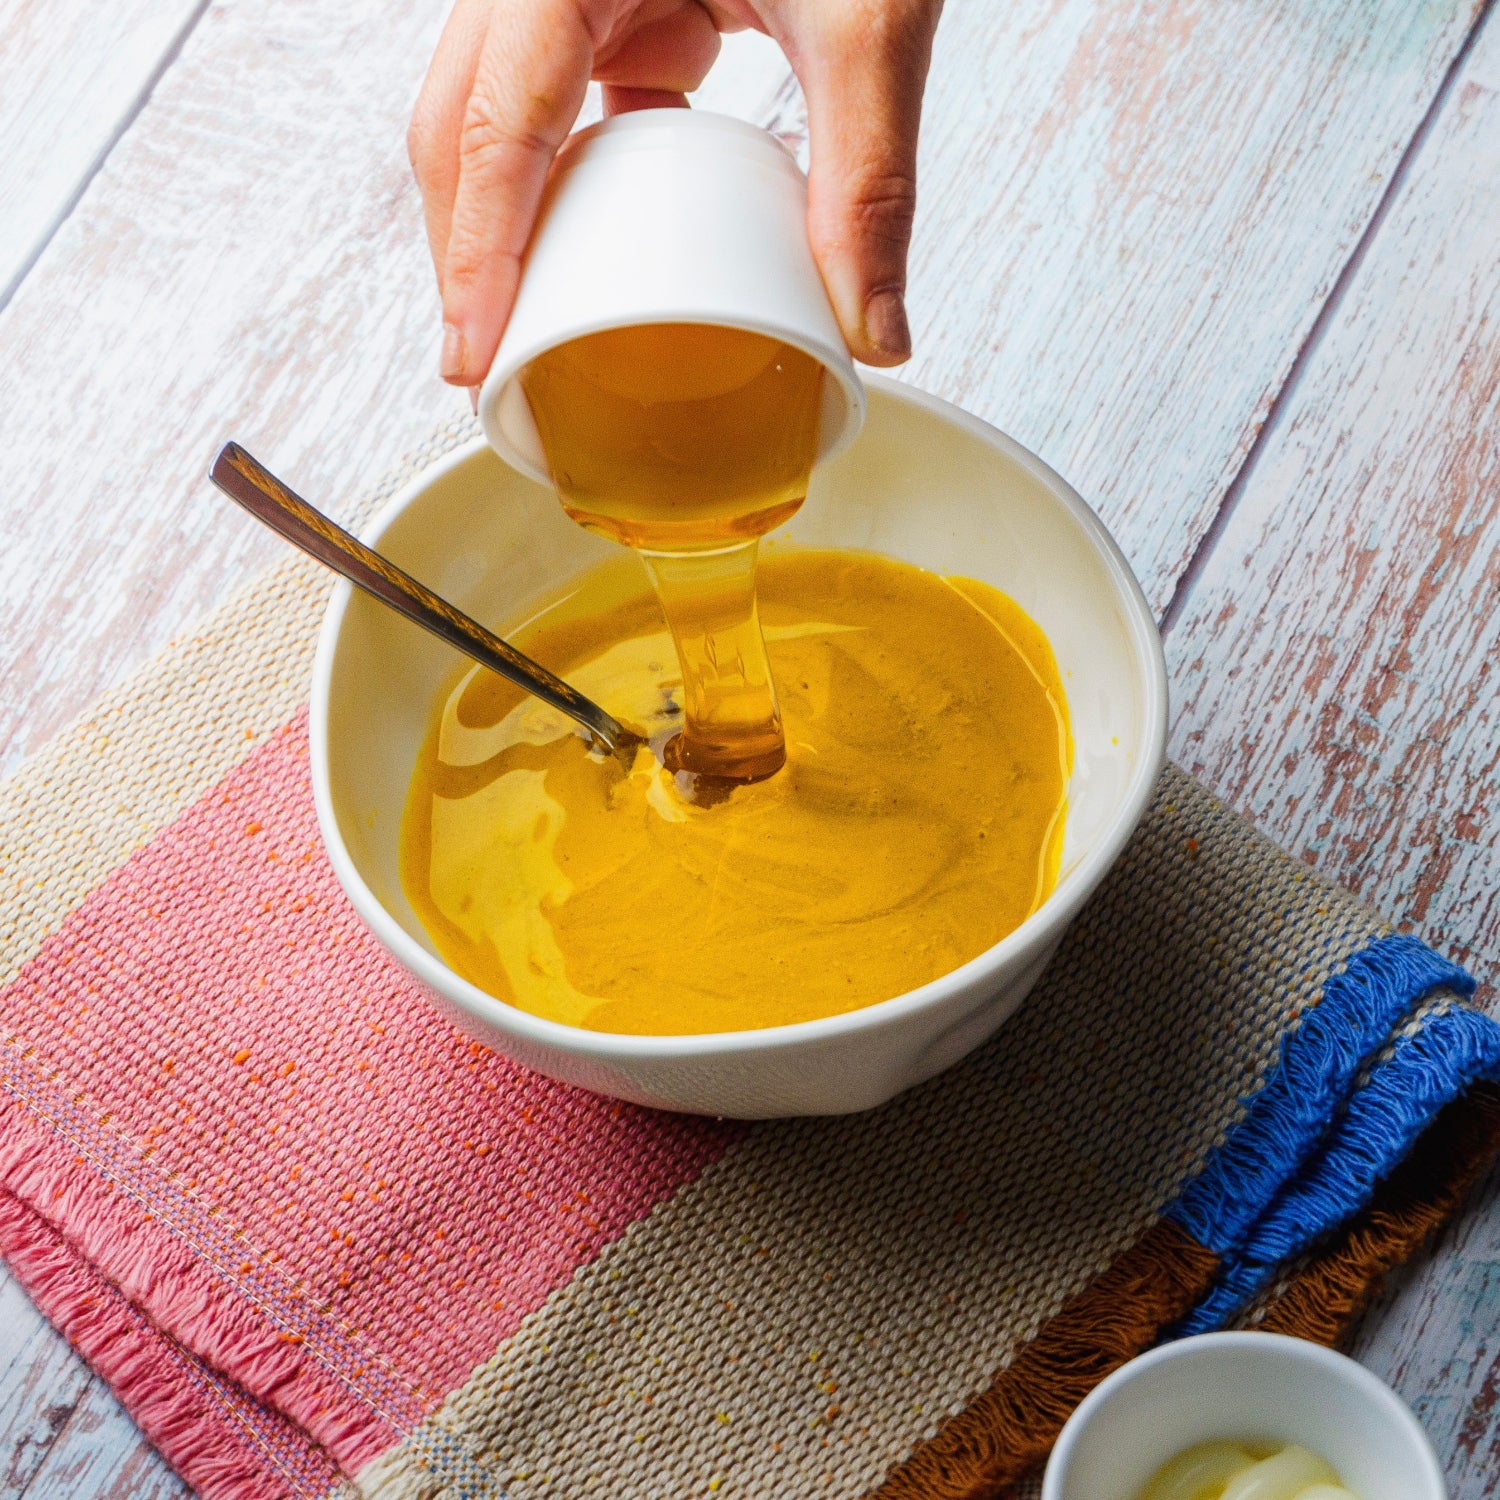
(473, 256)
(464, 260)
(487, 135)
(884, 205)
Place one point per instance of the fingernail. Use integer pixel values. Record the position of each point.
(474, 398)
(451, 364)
(885, 323)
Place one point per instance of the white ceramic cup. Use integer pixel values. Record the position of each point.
(1251, 1386)
(925, 483)
(668, 216)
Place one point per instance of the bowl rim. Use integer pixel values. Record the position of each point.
(1041, 928)
(1379, 1396)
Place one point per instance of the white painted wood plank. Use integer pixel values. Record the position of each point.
(1335, 666)
(1132, 214)
(41, 1383)
(99, 1455)
(1435, 1336)
(62, 1432)
(71, 74)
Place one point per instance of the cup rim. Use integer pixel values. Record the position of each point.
(1330, 1362)
(835, 362)
(1041, 928)
(646, 121)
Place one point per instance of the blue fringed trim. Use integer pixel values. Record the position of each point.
(1313, 1076)
(1453, 1049)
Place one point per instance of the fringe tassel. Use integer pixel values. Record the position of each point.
(1414, 1202)
(1319, 1062)
(1426, 1070)
(999, 1436)
(172, 1287)
(196, 1440)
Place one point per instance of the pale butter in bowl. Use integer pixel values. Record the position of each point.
(925, 484)
(1319, 1424)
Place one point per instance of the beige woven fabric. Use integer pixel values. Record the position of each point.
(819, 1301)
(152, 746)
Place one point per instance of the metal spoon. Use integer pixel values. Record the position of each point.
(252, 485)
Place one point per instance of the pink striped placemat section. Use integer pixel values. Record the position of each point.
(277, 1201)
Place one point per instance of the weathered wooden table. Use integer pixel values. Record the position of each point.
(1233, 268)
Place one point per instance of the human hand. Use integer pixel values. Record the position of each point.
(508, 80)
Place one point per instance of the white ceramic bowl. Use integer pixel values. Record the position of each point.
(1250, 1386)
(924, 482)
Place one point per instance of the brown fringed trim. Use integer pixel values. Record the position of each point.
(1001, 1434)
(998, 1437)
(1449, 1157)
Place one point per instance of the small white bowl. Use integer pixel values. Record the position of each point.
(1247, 1386)
(923, 482)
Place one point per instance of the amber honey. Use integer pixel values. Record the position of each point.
(689, 442)
(677, 437)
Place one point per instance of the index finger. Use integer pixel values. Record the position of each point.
(527, 93)
(438, 117)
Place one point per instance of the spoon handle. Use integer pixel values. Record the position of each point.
(253, 486)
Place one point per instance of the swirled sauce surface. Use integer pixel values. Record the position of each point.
(918, 818)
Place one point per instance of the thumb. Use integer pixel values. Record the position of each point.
(864, 84)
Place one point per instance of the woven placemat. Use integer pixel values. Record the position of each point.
(321, 1243)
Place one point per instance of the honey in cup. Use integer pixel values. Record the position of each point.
(906, 815)
(689, 442)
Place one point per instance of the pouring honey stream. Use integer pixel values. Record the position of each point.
(689, 442)
(896, 810)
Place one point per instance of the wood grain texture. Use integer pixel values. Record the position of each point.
(100, 1456)
(71, 76)
(1435, 1336)
(62, 1430)
(41, 1383)
(1335, 666)
(248, 262)
(1131, 215)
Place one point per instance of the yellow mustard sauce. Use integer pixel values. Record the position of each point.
(917, 820)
